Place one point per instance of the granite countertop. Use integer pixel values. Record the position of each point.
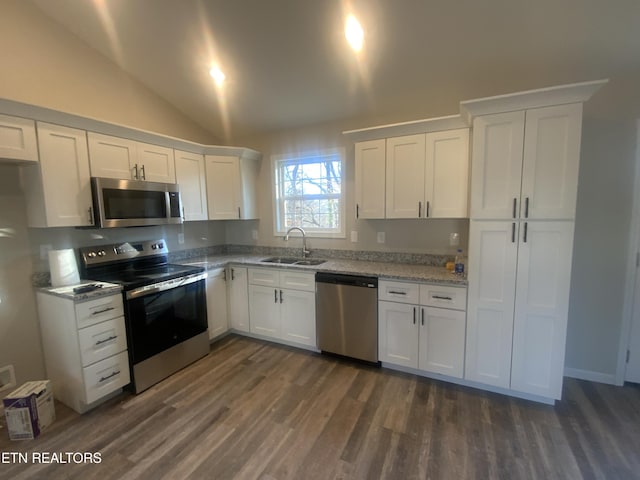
(104, 290)
(383, 270)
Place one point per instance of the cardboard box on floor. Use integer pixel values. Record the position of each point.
(29, 410)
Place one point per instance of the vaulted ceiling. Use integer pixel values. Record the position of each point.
(288, 65)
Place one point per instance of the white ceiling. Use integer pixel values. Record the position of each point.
(287, 63)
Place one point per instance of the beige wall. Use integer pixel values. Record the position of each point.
(418, 236)
(44, 65)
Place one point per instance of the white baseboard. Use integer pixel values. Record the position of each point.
(608, 378)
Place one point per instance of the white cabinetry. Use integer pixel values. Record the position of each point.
(190, 176)
(282, 305)
(18, 139)
(85, 348)
(422, 326)
(370, 178)
(524, 184)
(114, 157)
(217, 302)
(525, 164)
(427, 175)
(58, 190)
(231, 183)
(238, 291)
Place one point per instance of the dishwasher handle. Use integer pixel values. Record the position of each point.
(351, 280)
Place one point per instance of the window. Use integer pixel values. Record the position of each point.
(309, 193)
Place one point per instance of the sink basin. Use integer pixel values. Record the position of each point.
(293, 261)
(310, 262)
(287, 260)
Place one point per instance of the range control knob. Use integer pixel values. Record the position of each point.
(102, 253)
(154, 246)
(91, 254)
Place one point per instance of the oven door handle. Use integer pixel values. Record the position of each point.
(162, 286)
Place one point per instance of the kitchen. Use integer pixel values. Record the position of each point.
(596, 307)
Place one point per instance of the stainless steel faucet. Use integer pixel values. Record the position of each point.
(305, 252)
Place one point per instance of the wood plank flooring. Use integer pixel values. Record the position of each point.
(252, 409)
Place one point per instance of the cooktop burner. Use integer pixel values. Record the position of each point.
(132, 265)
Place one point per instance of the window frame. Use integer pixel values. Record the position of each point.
(277, 160)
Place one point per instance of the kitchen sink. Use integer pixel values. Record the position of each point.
(293, 261)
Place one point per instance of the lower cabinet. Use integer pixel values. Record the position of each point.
(217, 302)
(238, 295)
(416, 334)
(282, 305)
(85, 348)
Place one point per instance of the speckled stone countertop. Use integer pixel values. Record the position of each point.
(384, 270)
(104, 290)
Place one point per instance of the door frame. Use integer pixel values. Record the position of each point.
(632, 275)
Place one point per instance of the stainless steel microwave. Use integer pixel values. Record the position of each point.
(133, 203)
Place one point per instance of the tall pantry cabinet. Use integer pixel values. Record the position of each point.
(522, 209)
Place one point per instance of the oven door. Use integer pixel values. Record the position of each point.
(157, 318)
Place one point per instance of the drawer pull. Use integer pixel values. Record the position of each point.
(102, 379)
(393, 292)
(100, 342)
(441, 297)
(105, 310)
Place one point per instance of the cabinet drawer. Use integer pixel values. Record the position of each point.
(102, 340)
(443, 296)
(398, 291)
(106, 376)
(263, 276)
(99, 310)
(298, 280)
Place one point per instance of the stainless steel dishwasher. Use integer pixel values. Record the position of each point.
(347, 315)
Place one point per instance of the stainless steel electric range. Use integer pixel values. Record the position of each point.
(165, 306)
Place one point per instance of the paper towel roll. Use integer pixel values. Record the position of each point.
(63, 267)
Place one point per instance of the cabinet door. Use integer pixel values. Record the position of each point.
(113, 157)
(65, 178)
(191, 177)
(398, 333)
(447, 174)
(298, 316)
(542, 303)
(405, 176)
(442, 336)
(223, 187)
(496, 164)
(18, 139)
(264, 310)
(493, 251)
(156, 163)
(238, 299)
(370, 178)
(551, 158)
(217, 302)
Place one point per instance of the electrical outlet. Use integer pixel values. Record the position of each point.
(254, 234)
(381, 237)
(454, 239)
(7, 377)
(44, 251)
(354, 236)
(180, 238)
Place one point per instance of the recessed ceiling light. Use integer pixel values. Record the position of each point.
(354, 33)
(217, 75)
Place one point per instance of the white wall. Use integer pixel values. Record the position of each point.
(44, 65)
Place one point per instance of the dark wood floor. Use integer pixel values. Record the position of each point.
(252, 409)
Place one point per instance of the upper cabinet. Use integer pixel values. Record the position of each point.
(525, 163)
(58, 190)
(231, 184)
(413, 176)
(370, 178)
(190, 176)
(114, 157)
(18, 139)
